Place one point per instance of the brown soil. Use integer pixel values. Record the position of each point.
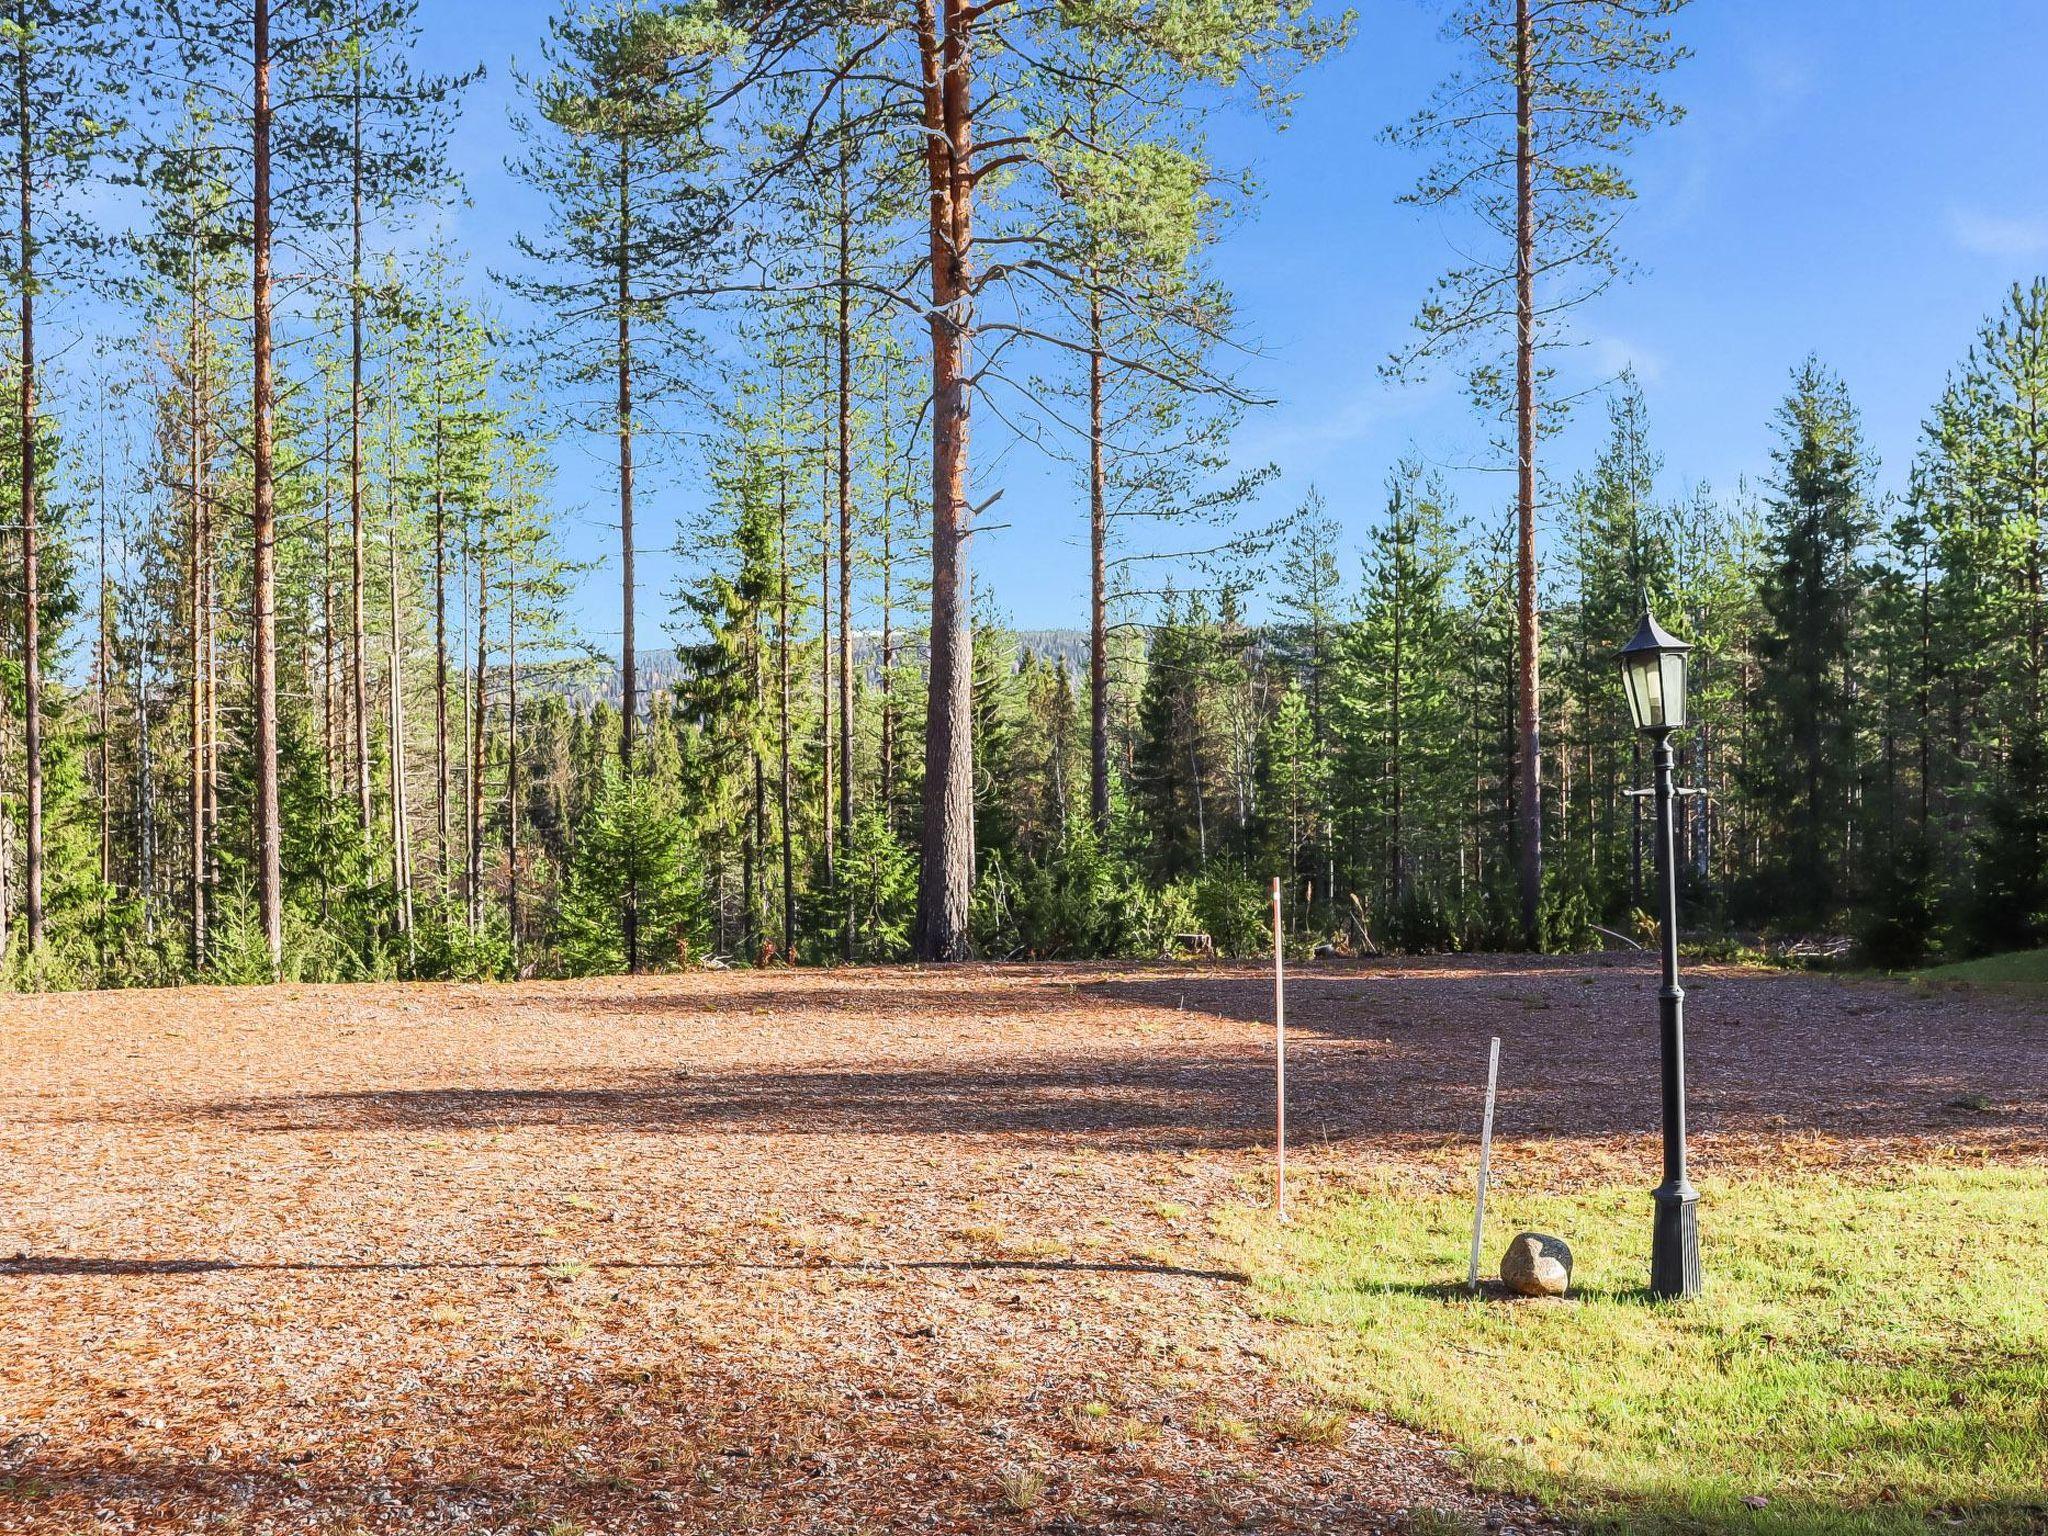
(816, 1251)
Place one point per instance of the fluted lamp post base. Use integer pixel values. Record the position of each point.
(1675, 1243)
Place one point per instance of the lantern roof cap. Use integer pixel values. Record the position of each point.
(1650, 636)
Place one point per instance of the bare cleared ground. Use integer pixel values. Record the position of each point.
(816, 1251)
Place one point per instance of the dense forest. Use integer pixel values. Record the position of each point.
(294, 681)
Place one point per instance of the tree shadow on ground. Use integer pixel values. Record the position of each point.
(1767, 1052)
(1392, 1093)
(51, 1488)
(90, 1267)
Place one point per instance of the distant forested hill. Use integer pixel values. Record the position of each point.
(658, 668)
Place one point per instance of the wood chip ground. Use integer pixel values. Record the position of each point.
(817, 1251)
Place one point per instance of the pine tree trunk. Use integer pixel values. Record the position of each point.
(845, 507)
(629, 693)
(195, 583)
(1635, 825)
(327, 733)
(106, 777)
(946, 871)
(1098, 583)
(825, 801)
(401, 817)
(440, 627)
(31, 588)
(210, 615)
(474, 885)
(887, 787)
(1400, 860)
(1925, 712)
(757, 853)
(263, 572)
(512, 761)
(359, 687)
(784, 795)
(1528, 708)
(145, 798)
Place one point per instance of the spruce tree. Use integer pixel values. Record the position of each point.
(1398, 705)
(630, 840)
(1803, 768)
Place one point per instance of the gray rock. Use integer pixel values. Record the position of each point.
(1537, 1264)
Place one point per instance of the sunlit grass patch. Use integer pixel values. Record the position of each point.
(2024, 970)
(1870, 1356)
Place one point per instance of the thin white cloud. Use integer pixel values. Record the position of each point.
(1303, 436)
(1611, 353)
(1779, 75)
(2008, 236)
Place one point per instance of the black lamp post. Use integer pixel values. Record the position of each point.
(1653, 675)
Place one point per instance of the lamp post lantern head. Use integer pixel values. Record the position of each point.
(1653, 676)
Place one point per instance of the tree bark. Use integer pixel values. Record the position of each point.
(103, 667)
(629, 694)
(31, 590)
(401, 816)
(440, 625)
(887, 786)
(845, 504)
(512, 758)
(782, 672)
(196, 652)
(825, 806)
(358, 627)
(1400, 862)
(269, 862)
(474, 884)
(1098, 584)
(327, 732)
(946, 871)
(1528, 705)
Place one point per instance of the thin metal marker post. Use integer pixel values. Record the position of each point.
(1279, 1064)
(1485, 1159)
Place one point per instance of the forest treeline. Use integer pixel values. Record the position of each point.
(293, 684)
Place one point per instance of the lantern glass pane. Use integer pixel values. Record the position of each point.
(1653, 693)
(1672, 689)
(1632, 685)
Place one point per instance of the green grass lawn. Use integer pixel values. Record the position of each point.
(1869, 1356)
(2024, 969)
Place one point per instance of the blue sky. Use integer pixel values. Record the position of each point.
(1858, 178)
